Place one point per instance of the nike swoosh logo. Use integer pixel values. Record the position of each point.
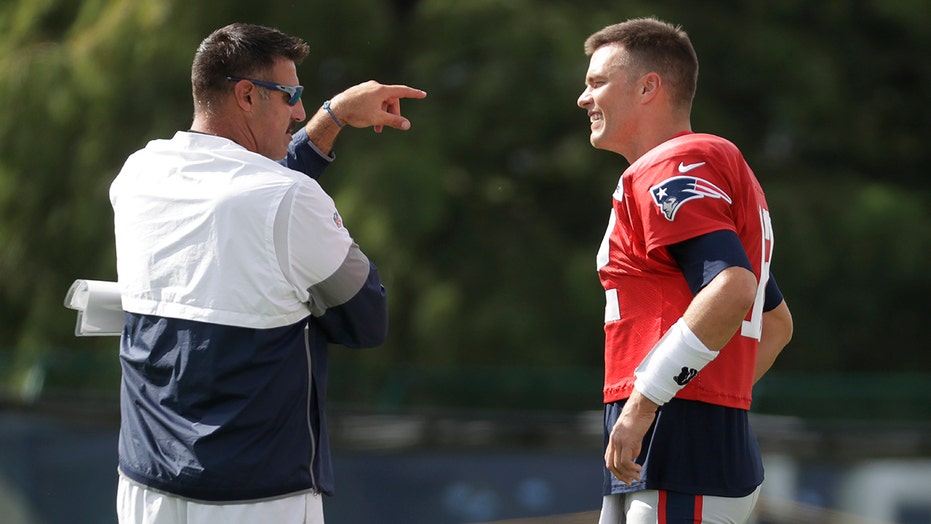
(686, 168)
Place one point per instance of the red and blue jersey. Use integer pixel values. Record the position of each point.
(688, 186)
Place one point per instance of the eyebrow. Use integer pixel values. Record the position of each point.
(592, 77)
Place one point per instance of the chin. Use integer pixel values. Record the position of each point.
(597, 141)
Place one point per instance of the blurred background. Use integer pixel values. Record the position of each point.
(484, 219)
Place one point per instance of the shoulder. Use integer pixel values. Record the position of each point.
(700, 145)
(676, 156)
(690, 155)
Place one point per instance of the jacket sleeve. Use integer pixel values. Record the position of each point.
(361, 321)
(328, 270)
(304, 157)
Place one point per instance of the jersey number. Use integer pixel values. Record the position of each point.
(753, 328)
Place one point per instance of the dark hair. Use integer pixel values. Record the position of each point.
(243, 50)
(657, 46)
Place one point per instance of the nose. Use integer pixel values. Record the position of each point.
(298, 114)
(585, 99)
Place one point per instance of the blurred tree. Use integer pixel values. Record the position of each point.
(79, 90)
(485, 217)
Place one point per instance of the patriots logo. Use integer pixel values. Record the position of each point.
(670, 194)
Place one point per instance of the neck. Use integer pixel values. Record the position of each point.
(204, 126)
(224, 128)
(655, 135)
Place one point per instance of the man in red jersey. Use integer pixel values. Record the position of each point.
(693, 316)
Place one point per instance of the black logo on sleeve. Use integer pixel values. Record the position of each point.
(685, 376)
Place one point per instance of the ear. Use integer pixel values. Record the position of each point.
(244, 93)
(650, 86)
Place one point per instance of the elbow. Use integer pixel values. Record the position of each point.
(375, 335)
(778, 325)
(370, 328)
(788, 327)
(744, 285)
(362, 322)
(370, 335)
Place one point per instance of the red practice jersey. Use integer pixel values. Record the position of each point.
(690, 185)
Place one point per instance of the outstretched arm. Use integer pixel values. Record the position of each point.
(363, 105)
(367, 104)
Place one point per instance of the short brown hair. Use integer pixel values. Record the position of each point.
(654, 45)
(243, 50)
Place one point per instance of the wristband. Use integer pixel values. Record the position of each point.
(326, 105)
(671, 364)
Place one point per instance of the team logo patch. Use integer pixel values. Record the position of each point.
(670, 194)
(338, 220)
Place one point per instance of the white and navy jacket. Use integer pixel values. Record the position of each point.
(236, 272)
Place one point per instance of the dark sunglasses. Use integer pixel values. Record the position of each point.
(294, 92)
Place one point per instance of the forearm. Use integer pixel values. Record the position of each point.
(304, 156)
(368, 104)
(322, 131)
(777, 331)
(717, 311)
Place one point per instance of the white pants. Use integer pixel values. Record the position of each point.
(137, 505)
(643, 507)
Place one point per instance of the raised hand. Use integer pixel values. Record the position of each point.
(373, 104)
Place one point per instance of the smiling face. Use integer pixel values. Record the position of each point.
(610, 99)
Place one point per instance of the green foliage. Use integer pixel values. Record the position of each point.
(485, 217)
(853, 256)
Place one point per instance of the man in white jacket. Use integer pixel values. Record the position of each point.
(236, 272)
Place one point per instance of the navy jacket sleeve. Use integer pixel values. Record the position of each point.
(304, 157)
(362, 321)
